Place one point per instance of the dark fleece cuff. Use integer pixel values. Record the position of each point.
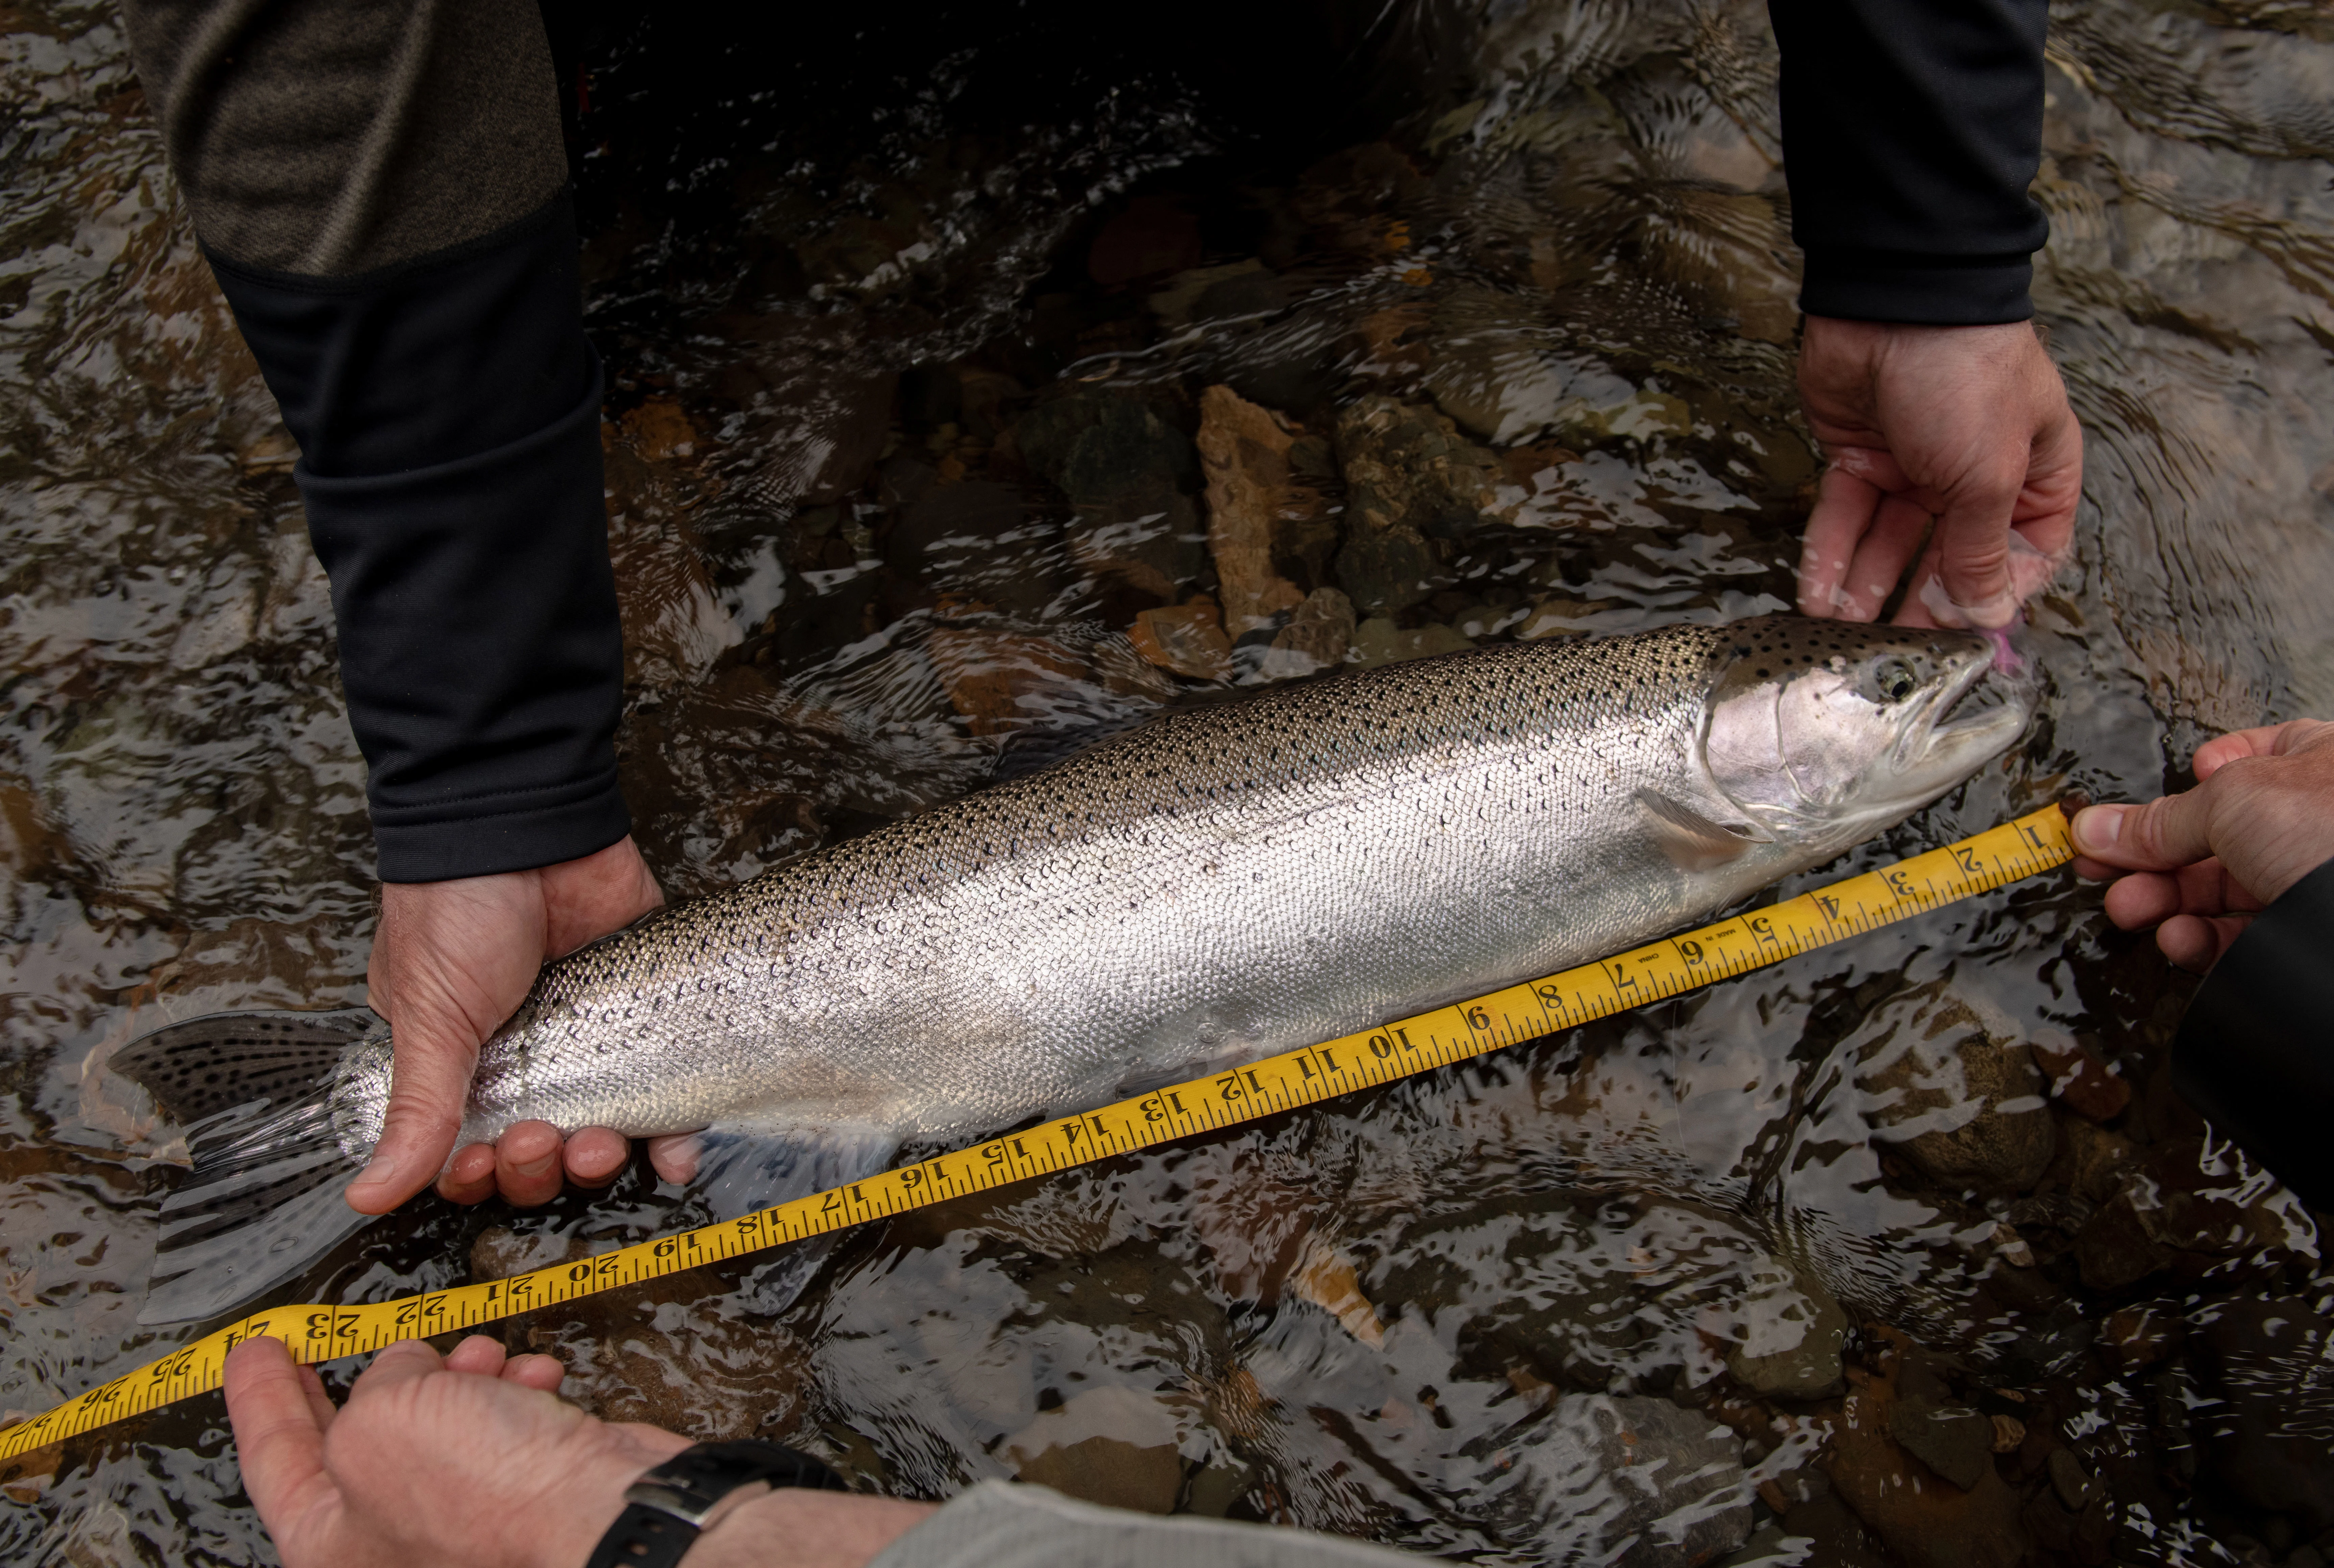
(1868, 288)
(448, 414)
(2255, 1054)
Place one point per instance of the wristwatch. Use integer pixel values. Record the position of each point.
(667, 1506)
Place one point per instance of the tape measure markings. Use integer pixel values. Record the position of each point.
(1307, 1076)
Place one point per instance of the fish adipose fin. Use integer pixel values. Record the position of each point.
(741, 1168)
(252, 1093)
(1692, 842)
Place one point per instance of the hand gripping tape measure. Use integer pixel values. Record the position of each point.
(2016, 850)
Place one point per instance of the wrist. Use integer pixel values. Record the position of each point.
(564, 1533)
(817, 1530)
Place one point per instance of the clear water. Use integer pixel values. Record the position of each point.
(843, 277)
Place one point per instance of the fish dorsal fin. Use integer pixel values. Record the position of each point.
(1692, 842)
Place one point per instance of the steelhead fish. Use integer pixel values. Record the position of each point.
(1215, 887)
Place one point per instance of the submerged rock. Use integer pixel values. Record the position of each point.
(1964, 1107)
(1380, 641)
(1316, 637)
(1129, 474)
(1187, 639)
(1253, 489)
(1109, 1445)
(1791, 1333)
(2270, 1359)
(1928, 1521)
(1595, 1471)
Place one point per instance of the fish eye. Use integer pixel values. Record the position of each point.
(1895, 680)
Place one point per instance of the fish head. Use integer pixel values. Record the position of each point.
(1829, 730)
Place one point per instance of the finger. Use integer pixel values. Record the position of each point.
(1844, 508)
(535, 1372)
(481, 1355)
(1887, 547)
(320, 1403)
(2090, 869)
(1973, 542)
(2155, 837)
(395, 1366)
(595, 1156)
(2196, 942)
(675, 1157)
(2267, 740)
(470, 1176)
(527, 1164)
(430, 1081)
(278, 1441)
(2141, 899)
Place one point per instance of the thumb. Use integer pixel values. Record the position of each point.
(2161, 836)
(428, 1085)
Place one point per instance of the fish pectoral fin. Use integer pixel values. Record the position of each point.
(1692, 842)
(741, 1168)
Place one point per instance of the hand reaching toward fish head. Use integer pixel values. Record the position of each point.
(1967, 426)
(469, 1461)
(451, 961)
(2198, 865)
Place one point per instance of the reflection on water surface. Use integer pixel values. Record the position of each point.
(973, 395)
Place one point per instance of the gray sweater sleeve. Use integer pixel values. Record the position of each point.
(380, 189)
(1001, 1525)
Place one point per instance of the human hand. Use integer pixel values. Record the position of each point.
(450, 962)
(468, 1462)
(1967, 425)
(2202, 862)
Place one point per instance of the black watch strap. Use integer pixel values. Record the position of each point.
(665, 1507)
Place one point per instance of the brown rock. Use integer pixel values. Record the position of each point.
(1316, 637)
(1954, 1441)
(2115, 1249)
(2140, 1336)
(987, 673)
(2092, 1160)
(1252, 487)
(658, 430)
(1187, 639)
(1929, 1522)
(1966, 1110)
(1324, 1277)
(26, 1477)
(1109, 1445)
(2081, 1081)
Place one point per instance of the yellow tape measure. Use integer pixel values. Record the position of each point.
(2033, 843)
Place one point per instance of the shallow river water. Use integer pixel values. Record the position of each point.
(919, 327)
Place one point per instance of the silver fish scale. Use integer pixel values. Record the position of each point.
(1218, 886)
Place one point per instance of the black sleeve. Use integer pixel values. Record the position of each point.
(380, 189)
(1910, 132)
(2255, 1054)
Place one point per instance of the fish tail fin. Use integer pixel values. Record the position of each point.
(252, 1093)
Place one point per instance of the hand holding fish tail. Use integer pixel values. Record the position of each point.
(1965, 425)
(511, 1475)
(451, 961)
(2199, 865)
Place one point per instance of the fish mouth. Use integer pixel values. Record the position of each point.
(1963, 724)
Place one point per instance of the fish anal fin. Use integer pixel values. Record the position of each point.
(1690, 840)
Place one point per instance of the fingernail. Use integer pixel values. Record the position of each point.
(380, 1170)
(537, 1167)
(2097, 827)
